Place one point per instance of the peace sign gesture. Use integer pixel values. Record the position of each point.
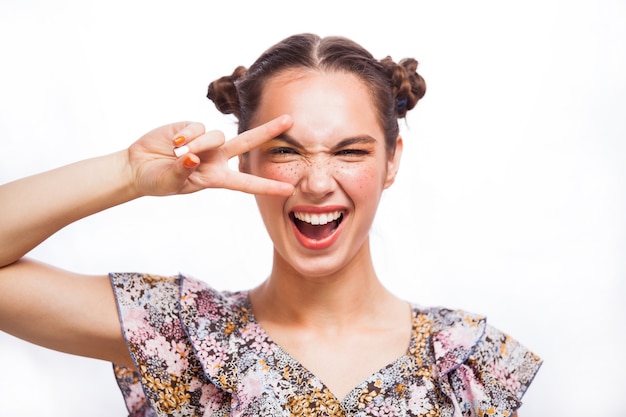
(157, 171)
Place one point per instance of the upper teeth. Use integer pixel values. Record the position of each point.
(318, 219)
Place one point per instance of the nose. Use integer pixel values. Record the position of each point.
(317, 178)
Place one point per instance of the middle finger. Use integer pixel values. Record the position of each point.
(252, 138)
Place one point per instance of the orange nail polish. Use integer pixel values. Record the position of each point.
(189, 162)
(179, 140)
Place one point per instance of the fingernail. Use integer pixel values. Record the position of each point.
(181, 151)
(179, 140)
(189, 162)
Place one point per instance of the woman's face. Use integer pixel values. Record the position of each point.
(334, 155)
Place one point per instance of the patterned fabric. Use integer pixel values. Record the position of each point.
(200, 352)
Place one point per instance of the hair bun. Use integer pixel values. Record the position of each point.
(408, 87)
(223, 92)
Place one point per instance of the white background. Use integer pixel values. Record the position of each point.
(510, 200)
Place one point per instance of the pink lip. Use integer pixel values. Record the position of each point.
(318, 209)
(318, 244)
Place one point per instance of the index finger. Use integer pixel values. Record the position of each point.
(252, 138)
(252, 184)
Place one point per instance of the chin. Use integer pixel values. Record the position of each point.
(323, 265)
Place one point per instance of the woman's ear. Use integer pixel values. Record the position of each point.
(393, 163)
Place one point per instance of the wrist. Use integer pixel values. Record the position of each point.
(126, 182)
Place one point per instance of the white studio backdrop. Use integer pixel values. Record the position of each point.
(509, 201)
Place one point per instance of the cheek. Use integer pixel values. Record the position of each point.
(359, 179)
(290, 172)
(363, 179)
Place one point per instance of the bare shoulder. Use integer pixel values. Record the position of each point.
(61, 310)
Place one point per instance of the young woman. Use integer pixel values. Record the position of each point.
(318, 145)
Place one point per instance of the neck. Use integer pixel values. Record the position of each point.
(331, 301)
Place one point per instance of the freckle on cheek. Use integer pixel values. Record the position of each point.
(281, 172)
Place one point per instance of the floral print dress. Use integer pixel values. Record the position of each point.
(200, 352)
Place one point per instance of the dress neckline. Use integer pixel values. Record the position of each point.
(313, 379)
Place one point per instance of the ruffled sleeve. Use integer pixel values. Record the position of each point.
(483, 371)
(168, 379)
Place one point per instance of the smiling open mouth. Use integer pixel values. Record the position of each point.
(317, 226)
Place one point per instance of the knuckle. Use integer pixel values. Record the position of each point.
(216, 136)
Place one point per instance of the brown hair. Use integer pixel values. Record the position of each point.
(395, 88)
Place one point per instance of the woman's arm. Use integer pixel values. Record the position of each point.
(47, 306)
(34, 208)
(75, 313)
(63, 311)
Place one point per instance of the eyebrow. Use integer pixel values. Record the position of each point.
(365, 139)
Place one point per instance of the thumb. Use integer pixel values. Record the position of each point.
(189, 162)
(182, 169)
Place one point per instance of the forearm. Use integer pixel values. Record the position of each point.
(34, 208)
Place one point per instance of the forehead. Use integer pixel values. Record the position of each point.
(325, 106)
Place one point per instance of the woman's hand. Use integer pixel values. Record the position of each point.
(157, 171)
(51, 200)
